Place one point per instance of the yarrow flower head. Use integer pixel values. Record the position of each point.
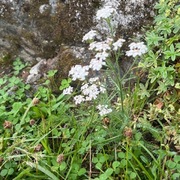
(79, 99)
(94, 79)
(102, 89)
(96, 64)
(90, 91)
(79, 72)
(90, 35)
(104, 110)
(118, 44)
(99, 46)
(68, 90)
(105, 12)
(112, 3)
(101, 55)
(136, 49)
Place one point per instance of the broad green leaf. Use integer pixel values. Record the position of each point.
(132, 175)
(171, 164)
(63, 166)
(10, 171)
(81, 171)
(115, 164)
(16, 107)
(121, 155)
(4, 172)
(109, 171)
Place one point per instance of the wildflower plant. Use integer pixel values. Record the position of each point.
(105, 48)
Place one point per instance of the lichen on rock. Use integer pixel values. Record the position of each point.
(33, 29)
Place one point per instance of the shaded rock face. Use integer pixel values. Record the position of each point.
(38, 28)
(33, 29)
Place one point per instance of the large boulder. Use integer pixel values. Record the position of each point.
(32, 29)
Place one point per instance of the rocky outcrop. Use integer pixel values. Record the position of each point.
(33, 29)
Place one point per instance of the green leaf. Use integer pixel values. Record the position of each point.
(171, 164)
(176, 158)
(143, 91)
(8, 165)
(176, 176)
(81, 171)
(65, 83)
(115, 164)
(16, 107)
(121, 155)
(123, 163)
(98, 165)
(138, 136)
(103, 177)
(51, 73)
(4, 172)
(43, 170)
(153, 39)
(63, 166)
(102, 159)
(10, 171)
(95, 160)
(108, 172)
(144, 159)
(17, 127)
(132, 175)
(2, 81)
(162, 87)
(177, 85)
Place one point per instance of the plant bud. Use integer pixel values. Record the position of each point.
(7, 125)
(32, 122)
(35, 101)
(60, 158)
(128, 132)
(38, 148)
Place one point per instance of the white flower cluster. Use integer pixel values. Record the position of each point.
(90, 35)
(112, 3)
(109, 10)
(79, 72)
(99, 46)
(68, 90)
(107, 18)
(104, 110)
(90, 91)
(105, 12)
(96, 64)
(118, 44)
(136, 49)
(79, 99)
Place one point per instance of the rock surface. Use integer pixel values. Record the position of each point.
(32, 29)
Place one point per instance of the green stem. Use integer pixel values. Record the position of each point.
(127, 157)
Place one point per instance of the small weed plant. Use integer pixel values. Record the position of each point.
(110, 126)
